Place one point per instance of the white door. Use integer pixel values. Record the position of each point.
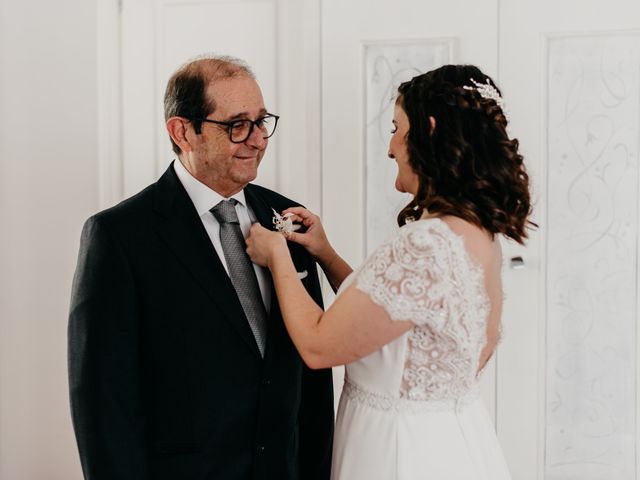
(567, 393)
(563, 393)
(369, 47)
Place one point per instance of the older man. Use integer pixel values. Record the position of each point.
(179, 363)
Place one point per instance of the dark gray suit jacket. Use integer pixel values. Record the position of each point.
(166, 379)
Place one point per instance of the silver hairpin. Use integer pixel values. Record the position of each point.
(489, 92)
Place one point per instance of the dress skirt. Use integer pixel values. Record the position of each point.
(378, 438)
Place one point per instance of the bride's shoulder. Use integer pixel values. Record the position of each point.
(447, 230)
(424, 236)
(478, 242)
(465, 229)
(438, 226)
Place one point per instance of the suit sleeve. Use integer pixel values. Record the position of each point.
(104, 375)
(316, 410)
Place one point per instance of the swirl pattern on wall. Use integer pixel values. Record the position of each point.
(593, 139)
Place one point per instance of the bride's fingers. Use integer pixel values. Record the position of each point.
(307, 222)
(308, 218)
(298, 222)
(298, 238)
(300, 211)
(296, 210)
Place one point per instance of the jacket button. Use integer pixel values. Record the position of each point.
(266, 381)
(260, 448)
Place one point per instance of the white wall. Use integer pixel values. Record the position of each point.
(48, 186)
(49, 182)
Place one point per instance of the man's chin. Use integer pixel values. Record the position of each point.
(246, 176)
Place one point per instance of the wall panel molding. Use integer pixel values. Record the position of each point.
(386, 64)
(109, 123)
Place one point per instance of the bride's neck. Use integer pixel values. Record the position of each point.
(426, 214)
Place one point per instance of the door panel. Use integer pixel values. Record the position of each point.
(368, 48)
(567, 400)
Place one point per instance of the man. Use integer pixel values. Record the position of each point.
(179, 363)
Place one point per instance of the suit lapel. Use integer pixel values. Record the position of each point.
(178, 224)
(260, 201)
(260, 207)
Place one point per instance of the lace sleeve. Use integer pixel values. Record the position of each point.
(409, 275)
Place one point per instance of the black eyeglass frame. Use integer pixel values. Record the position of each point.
(230, 125)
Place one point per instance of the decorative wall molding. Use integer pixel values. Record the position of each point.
(299, 168)
(110, 171)
(208, 2)
(386, 64)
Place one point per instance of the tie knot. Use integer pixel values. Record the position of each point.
(225, 211)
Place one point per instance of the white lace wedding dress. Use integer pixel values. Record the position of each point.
(412, 410)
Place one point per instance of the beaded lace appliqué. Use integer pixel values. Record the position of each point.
(424, 274)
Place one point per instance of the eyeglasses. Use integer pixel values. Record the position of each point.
(240, 130)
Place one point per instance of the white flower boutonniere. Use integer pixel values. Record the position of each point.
(283, 223)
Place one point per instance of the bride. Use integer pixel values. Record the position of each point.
(418, 321)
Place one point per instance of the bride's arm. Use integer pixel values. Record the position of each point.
(334, 268)
(317, 244)
(353, 327)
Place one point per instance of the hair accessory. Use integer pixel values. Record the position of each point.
(488, 92)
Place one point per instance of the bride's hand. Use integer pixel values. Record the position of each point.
(314, 240)
(263, 245)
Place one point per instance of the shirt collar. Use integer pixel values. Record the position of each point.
(203, 197)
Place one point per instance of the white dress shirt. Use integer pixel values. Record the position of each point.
(204, 199)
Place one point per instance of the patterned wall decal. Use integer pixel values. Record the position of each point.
(593, 139)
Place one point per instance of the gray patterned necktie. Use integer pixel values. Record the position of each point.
(243, 276)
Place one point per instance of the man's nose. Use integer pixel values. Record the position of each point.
(256, 139)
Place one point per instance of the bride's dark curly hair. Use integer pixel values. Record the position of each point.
(467, 166)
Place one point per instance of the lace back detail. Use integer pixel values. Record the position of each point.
(424, 274)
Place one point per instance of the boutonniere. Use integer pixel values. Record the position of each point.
(283, 223)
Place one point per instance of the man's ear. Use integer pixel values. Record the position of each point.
(432, 122)
(177, 128)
